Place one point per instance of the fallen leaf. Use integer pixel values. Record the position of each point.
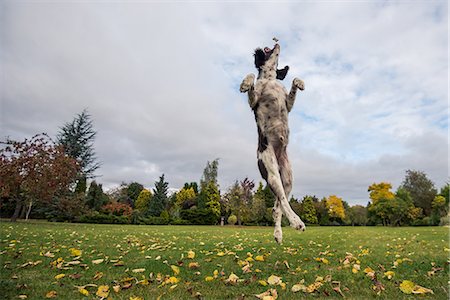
(103, 291)
(136, 298)
(299, 287)
(22, 296)
(194, 265)
(389, 274)
(407, 286)
(138, 270)
(175, 269)
(97, 261)
(209, 278)
(274, 280)
(98, 275)
(59, 276)
(232, 279)
(191, 254)
(259, 258)
(51, 294)
(116, 288)
(75, 252)
(83, 291)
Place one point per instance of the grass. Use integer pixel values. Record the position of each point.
(29, 253)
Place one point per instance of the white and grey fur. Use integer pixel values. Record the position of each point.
(271, 104)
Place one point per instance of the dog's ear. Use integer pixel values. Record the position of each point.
(282, 73)
(260, 58)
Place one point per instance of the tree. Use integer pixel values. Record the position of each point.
(133, 191)
(357, 215)
(209, 176)
(95, 197)
(159, 201)
(233, 198)
(34, 170)
(309, 214)
(335, 207)
(258, 207)
(212, 196)
(77, 138)
(143, 201)
(421, 189)
(380, 191)
(185, 198)
(210, 173)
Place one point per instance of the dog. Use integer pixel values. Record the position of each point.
(271, 104)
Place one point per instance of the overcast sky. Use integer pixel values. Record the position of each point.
(161, 81)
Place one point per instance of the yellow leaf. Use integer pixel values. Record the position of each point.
(274, 280)
(299, 287)
(421, 290)
(138, 270)
(22, 296)
(136, 298)
(216, 273)
(175, 269)
(103, 291)
(59, 276)
(75, 252)
(262, 282)
(209, 278)
(116, 288)
(191, 254)
(259, 258)
(97, 261)
(232, 278)
(194, 265)
(389, 274)
(407, 286)
(220, 253)
(51, 294)
(98, 275)
(172, 280)
(83, 291)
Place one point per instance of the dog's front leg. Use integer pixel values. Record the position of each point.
(296, 84)
(248, 85)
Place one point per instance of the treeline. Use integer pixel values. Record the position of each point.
(43, 179)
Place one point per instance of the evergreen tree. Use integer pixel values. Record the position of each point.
(159, 201)
(143, 201)
(77, 138)
(309, 214)
(209, 177)
(95, 197)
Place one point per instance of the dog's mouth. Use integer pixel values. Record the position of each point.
(268, 52)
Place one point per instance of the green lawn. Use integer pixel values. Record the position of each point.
(143, 261)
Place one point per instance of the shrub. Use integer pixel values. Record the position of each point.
(101, 218)
(117, 209)
(198, 216)
(232, 220)
(445, 221)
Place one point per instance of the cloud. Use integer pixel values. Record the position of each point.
(161, 82)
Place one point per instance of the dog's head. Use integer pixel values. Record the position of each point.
(266, 61)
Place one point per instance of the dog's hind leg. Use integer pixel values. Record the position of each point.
(277, 214)
(286, 179)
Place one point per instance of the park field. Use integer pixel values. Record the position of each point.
(83, 261)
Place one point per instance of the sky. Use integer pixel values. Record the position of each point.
(161, 82)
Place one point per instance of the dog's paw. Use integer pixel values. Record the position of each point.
(278, 235)
(298, 224)
(299, 84)
(247, 83)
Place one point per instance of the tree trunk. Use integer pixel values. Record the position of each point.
(16, 211)
(29, 210)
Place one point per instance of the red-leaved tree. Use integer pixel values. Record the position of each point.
(35, 170)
